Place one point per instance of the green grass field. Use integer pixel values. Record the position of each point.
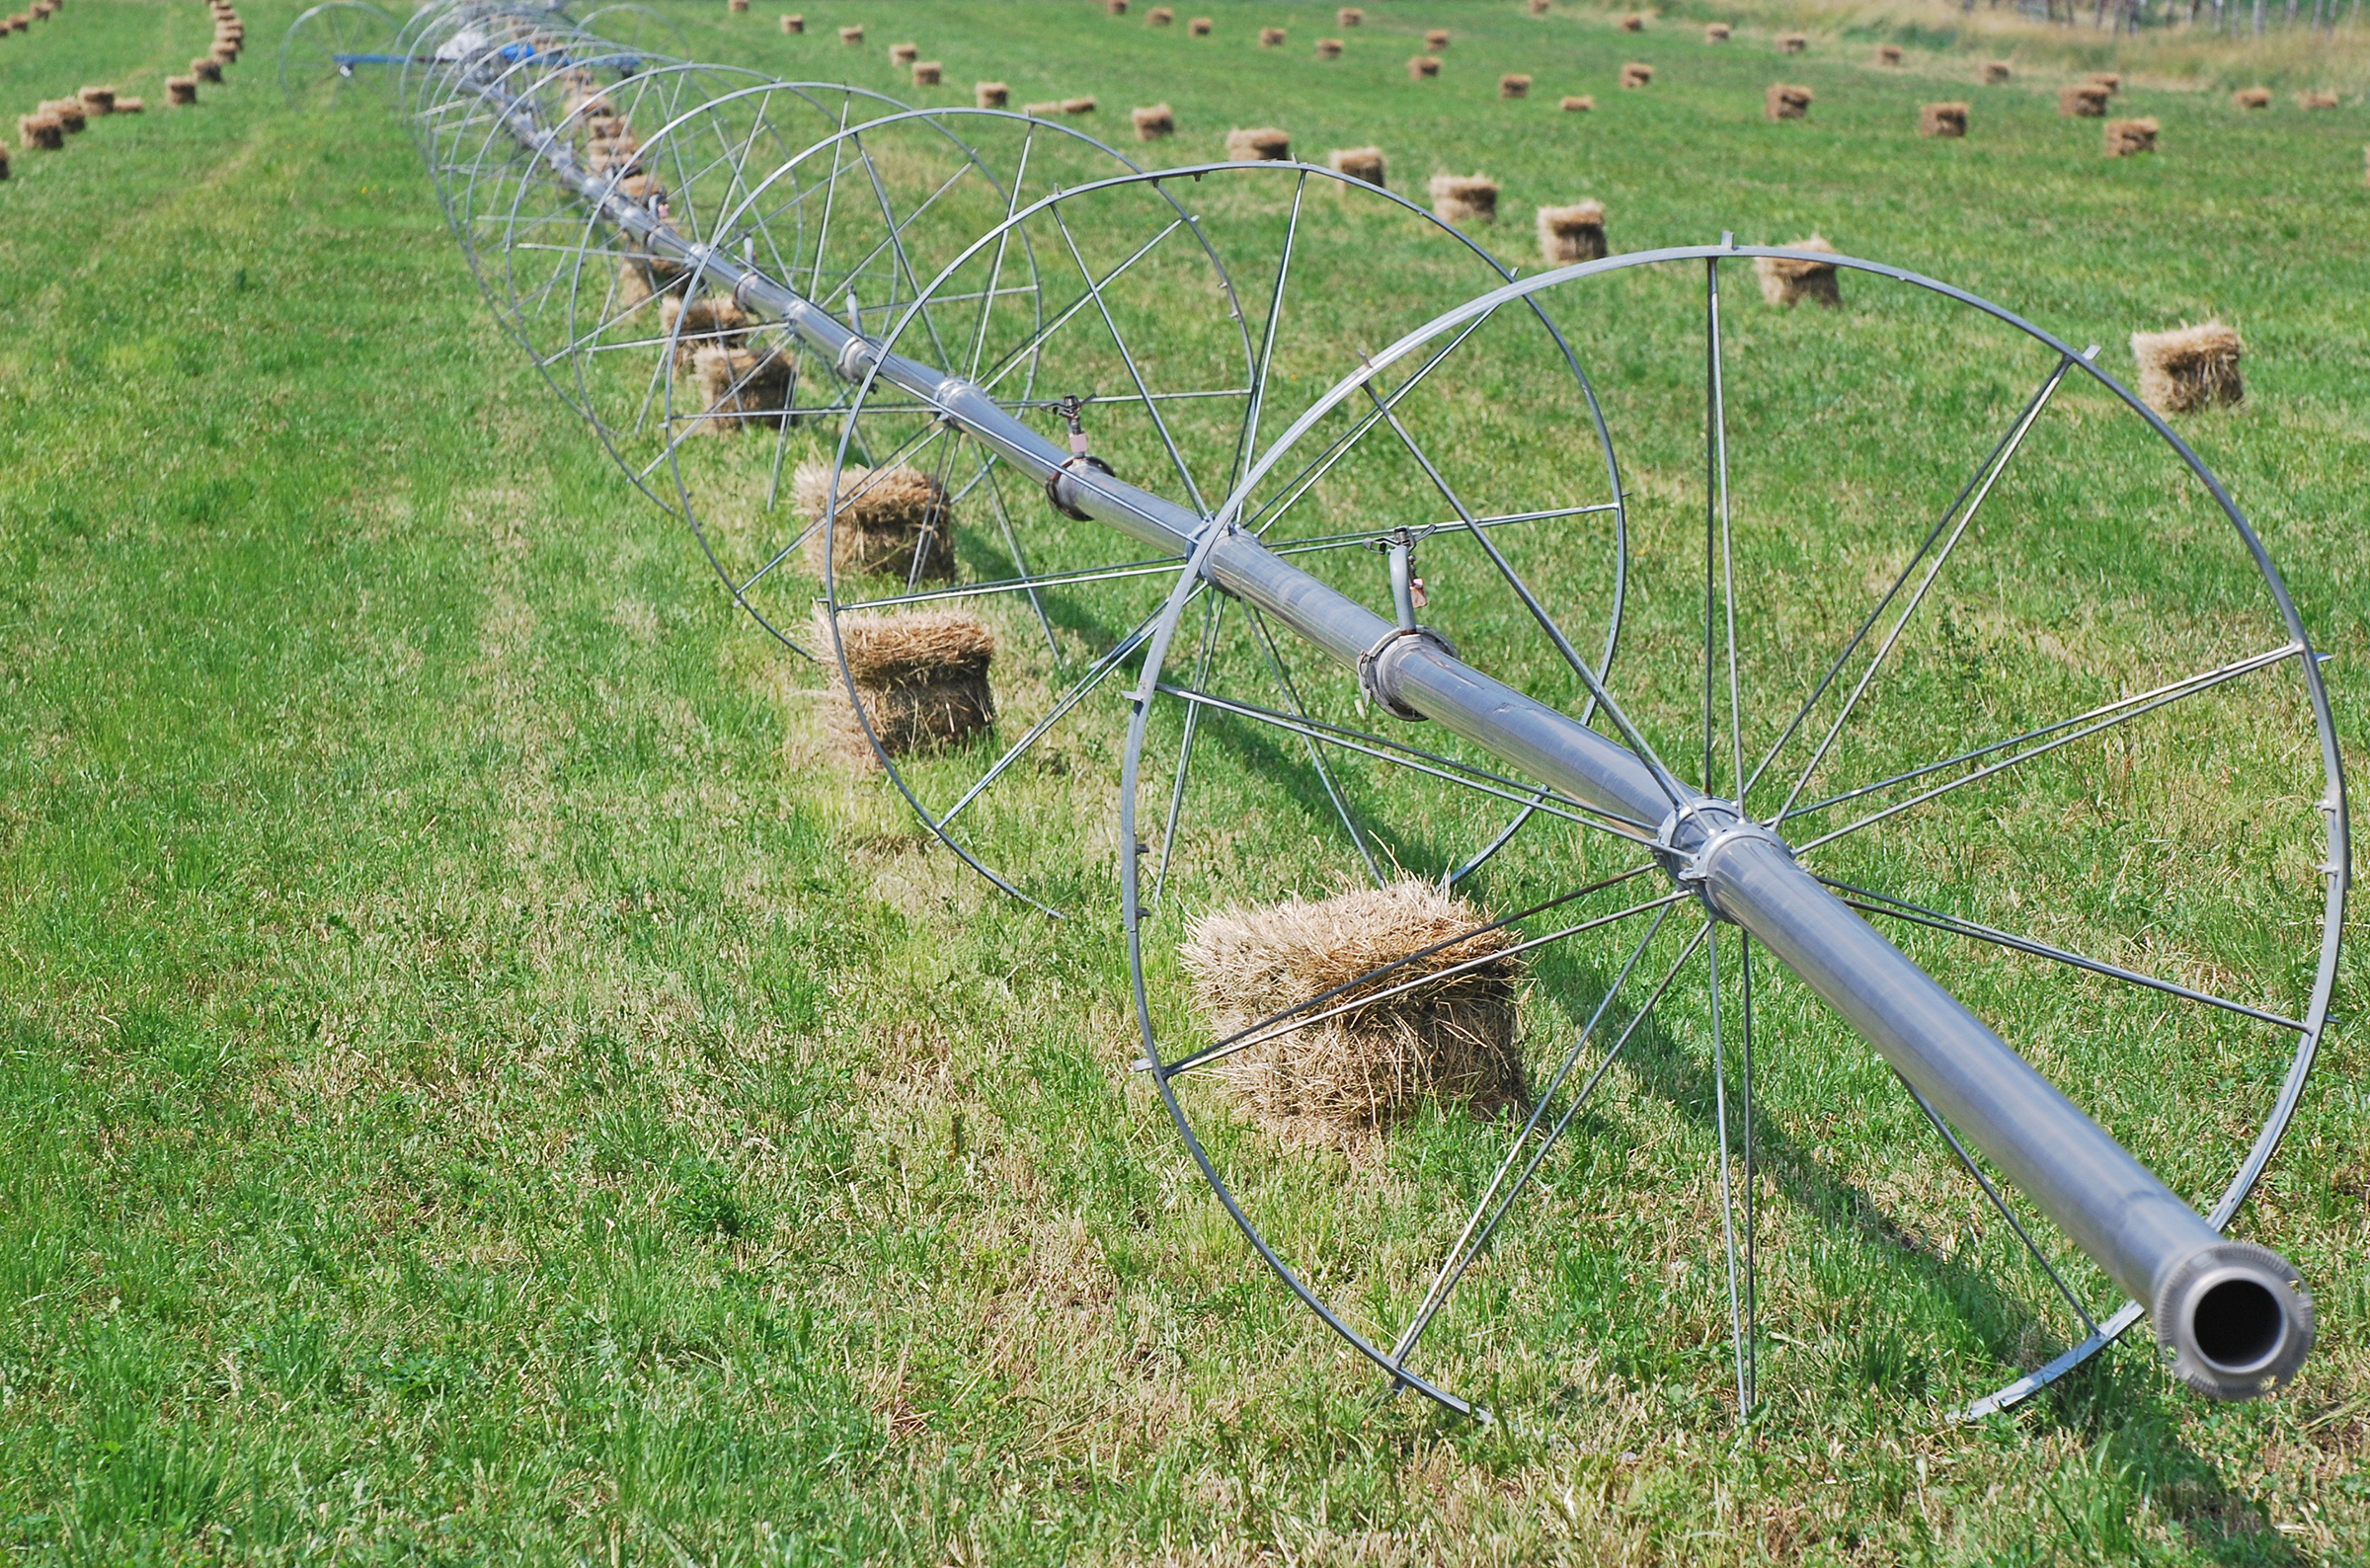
(479, 1084)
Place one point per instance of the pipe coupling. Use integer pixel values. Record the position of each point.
(2236, 1319)
(1694, 836)
(1378, 668)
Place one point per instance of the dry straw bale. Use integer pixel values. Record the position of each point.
(921, 677)
(1579, 103)
(1465, 198)
(69, 113)
(1539, 7)
(1360, 163)
(1718, 33)
(1634, 23)
(129, 106)
(1889, 53)
(20, 23)
(990, 95)
(1572, 234)
(2313, 100)
(904, 53)
(884, 518)
(2251, 98)
(737, 7)
(1995, 74)
(1077, 105)
(1349, 17)
(1257, 144)
(206, 68)
(223, 53)
(1514, 86)
(1158, 17)
(1792, 42)
(2127, 138)
(793, 23)
(851, 36)
(41, 132)
(1328, 48)
(180, 89)
(1942, 119)
(928, 73)
(1153, 122)
(1271, 38)
(2189, 368)
(1786, 280)
(97, 100)
(1118, 8)
(643, 189)
(1637, 74)
(1785, 101)
(2082, 100)
(2107, 79)
(1423, 67)
(3, 163)
(1046, 110)
(743, 387)
(1452, 1040)
(711, 321)
(1199, 27)
(1437, 39)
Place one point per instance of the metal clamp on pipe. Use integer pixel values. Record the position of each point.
(1378, 668)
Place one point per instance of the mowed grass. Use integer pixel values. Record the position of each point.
(477, 1086)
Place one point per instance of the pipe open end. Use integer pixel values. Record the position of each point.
(2236, 1319)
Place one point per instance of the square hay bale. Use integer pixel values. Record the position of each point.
(206, 68)
(2251, 98)
(1158, 17)
(1271, 38)
(1995, 74)
(712, 321)
(737, 7)
(2127, 138)
(1942, 119)
(40, 132)
(851, 36)
(20, 23)
(69, 113)
(1117, 8)
(2313, 100)
(1793, 43)
(1787, 280)
(1423, 67)
(1634, 21)
(1437, 39)
(887, 518)
(3, 163)
(904, 53)
(1578, 103)
(990, 95)
(645, 191)
(1514, 86)
(1572, 234)
(1539, 7)
(928, 73)
(1153, 122)
(1328, 48)
(1465, 198)
(1199, 27)
(1258, 145)
(1718, 33)
(224, 54)
(1051, 109)
(635, 285)
(921, 677)
(1450, 1037)
(180, 89)
(1349, 17)
(1785, 101)
(129, 106)
(1360, 163)
(2190, 367)
(792, 22)
(2107, 79)
(1889, 53)
(1637, 74)
(1077, 105)
(2082, 100)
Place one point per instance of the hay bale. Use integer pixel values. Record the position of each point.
(40, 132)
(1077, 105)
(886, 517)
(737, 7)
(792, 22)
(1158, 17)
(224, 55)
(1792, 42)
(851, 36)
(928, 73)
(2082, 100)
(1199, 27)
(1437, 39)
(3, 163)
(1117, 8)
(921, 677)
(129, 106)
(20, 23)
(1048, 109)
(1889, 53)
(644, 191)
(97, 100)
(1637, 74)
(1258, 145)
(1328, 48)
(1572, 234)
(1785, 101)
(1718, 33)
(2189, 368)
(205, 68)
(1995, 74)
(1465, 198)
(712, 321)
(1153, 122)
(990, 95)
(1634, 23)
(635, 285)
(2313, 100)
(2251, 98)
(2127, 138)
(1423, 67)
(1514, 86)
(1360, 163)
(1785, 280)
(1271, 38)
(904, 53)
(1452, 1040)
(1539, 7)
(69, 113)
(1349, 17)
(1579, 105)
(2107, 79)
(1942, 119)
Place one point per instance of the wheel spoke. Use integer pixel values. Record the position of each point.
(1292, 700)
(1728, 1227)
(1003, 242)
(1215, 610)
(1247, 442)
(1037, 340)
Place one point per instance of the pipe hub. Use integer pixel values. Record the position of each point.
(1694, 836)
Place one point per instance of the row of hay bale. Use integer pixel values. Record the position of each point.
(23, 21)
(47, 128)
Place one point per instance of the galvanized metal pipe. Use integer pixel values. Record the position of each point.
(2236, 1315)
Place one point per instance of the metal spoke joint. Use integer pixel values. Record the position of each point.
(1693, 836)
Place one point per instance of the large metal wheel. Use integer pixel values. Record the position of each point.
(1970, 628)
(328, 46)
